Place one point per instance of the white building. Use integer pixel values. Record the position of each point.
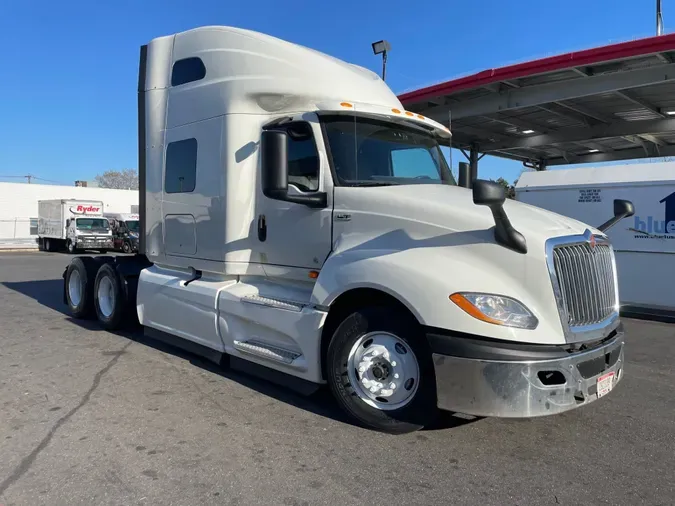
(19, 207)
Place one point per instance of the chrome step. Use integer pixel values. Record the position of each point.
(267, 351)
(276, 303)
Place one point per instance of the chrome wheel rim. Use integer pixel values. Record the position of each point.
(75, 288)
(106, 296)
(383, 370)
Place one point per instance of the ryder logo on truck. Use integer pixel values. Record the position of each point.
(650, 227)
(84, 209)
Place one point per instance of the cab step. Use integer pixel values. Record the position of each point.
(273, 302)
(267, 351)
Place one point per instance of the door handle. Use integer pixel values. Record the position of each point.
(262, 228)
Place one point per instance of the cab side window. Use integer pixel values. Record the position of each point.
(303, 158)
(180, 173)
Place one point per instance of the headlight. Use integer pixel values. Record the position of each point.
(496, 309)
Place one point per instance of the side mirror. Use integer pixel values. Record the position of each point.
(622, 209)
(68, 222)
(274, 171)
(492, 195)
(488, 193)
(274, 163)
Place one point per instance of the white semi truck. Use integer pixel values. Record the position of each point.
(298, 223)
(74, 225)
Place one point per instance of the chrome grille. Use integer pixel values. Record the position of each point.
(585, 278)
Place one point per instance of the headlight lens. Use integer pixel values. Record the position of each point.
(496, 309)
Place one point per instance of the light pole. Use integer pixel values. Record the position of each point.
(381, 47)
(659, 18)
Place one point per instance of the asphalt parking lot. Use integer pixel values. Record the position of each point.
(90, 417)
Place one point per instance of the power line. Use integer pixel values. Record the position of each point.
(30, 177)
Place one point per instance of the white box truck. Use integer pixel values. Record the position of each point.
(297, 223)
(73, 224)
(644, 245)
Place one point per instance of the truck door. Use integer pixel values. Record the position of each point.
(291, 234)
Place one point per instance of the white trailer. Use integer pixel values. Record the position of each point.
(298, 223)
(73, 224)
(644, 245)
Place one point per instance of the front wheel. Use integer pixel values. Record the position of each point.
(71, 247)
(126, 247)
(380, 370)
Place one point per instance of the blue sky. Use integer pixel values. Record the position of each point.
(68, 84)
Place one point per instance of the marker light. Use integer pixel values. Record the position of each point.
(496, 309)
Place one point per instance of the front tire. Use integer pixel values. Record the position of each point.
(70, 245)
(380, 370)
(126, 247)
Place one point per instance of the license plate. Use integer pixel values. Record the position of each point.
(605, 384)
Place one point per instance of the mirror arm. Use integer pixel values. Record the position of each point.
(610, 223)
(315, 200)
(492, 195)
(505, 233)
(622, 209)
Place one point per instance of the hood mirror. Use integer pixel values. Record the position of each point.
(492, 195)
(622, 209)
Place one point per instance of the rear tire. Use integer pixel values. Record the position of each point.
(79, 286)
(110, 298)
(386, 346)
(48, 246)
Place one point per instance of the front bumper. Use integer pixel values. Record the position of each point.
(493, 378)
(95, 244)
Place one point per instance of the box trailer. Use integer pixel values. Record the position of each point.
(297, 223)
(644, 244)
(73, 224)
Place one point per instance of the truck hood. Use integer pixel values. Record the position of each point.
(450, 209)
(421, 243)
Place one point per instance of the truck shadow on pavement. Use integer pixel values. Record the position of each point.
(49, 293)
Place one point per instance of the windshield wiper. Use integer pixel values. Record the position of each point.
(372, 183)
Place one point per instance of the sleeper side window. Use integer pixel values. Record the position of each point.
(187, 70)
(303, 158)
(180, 175)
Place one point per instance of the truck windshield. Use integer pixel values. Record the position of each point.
(371, 152)
(92, 224)
(132, 225)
